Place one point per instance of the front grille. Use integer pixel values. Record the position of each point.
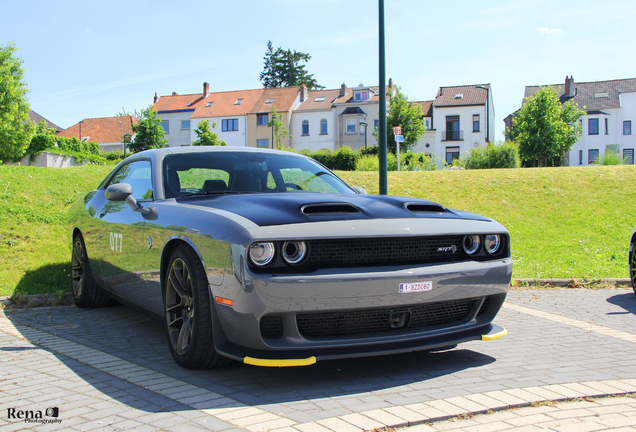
(371, 321)
(402, 250)
(272, 327)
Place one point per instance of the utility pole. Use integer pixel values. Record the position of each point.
(382, 126)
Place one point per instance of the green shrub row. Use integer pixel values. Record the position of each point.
(504, 155)
(346, 159)
(72, 146)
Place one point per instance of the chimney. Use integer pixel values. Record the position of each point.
(390, 84)
(303, 92)
(569, 86)
(206, 89)
(156, 98)
(175, 94)
(343, 89)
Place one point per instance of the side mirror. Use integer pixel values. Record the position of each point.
(118, 192)
(359, 190)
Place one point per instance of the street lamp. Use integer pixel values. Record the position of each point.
(365, 124)
(80, 134)
(122, 137)
(126, 141)
(487, 111)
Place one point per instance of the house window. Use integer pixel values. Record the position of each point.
(305, 127)
(323, 127)
(185, 124)
(452, 129)
(592, 126)
(262, 119)
(452, 153)
(320, 99)
(165, 125)
(262, 143)
(229, 125)
(476, 123)
(351, 126)
(238, 101)
(592, 156)
(628, 155)
(209, 104)
(361, 96)
(427, 123)
(627, 127)
(269, 101)
(376, 125)
(606, 126)
(580, 157)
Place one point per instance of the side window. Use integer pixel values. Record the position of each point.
(138, 175)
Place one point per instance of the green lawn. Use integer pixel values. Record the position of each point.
(564, 222)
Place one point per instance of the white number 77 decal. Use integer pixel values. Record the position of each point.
(116, 241)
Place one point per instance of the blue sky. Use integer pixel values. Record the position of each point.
(87, 59)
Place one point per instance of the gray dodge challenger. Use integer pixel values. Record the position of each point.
(268, 258)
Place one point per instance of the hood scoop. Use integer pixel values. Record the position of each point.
(425, 208)
(330, 209)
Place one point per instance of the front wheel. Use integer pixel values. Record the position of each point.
(632, 265)
(188, 314)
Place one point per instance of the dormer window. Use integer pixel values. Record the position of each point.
(269, 101)
(361, 95)
(459, 96)
(238, 101)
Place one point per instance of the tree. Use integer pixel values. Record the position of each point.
(545, 129)
(283, 69)
(124, 113)
(16, 129)
(149, 133)
(280, 132)
(408, 116)
(206, 136)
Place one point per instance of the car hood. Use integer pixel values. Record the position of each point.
(291, 208)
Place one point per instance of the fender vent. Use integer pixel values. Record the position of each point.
(425, 208)
(330, 209)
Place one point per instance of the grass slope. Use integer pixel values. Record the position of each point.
(564, 222)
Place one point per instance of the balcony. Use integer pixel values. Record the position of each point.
(452, 135)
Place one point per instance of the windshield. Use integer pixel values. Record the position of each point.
(208, 173)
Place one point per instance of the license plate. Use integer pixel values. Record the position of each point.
(416, 287)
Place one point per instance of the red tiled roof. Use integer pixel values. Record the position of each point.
(101, 130)
(177, 102)
(225, 103)
(470, 95)
(311, 104)
(283, 99)
(427, 107)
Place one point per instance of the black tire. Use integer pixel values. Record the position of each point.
(188, 314)
(86, 293)
(632, 265)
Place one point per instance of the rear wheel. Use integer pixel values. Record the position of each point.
(86, 293)
(188, 314)
(632, 265)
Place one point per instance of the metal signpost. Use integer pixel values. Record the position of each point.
(397, 132)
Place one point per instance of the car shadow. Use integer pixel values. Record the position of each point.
(627, 301)
(131, 336)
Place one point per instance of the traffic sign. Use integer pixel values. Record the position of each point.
(397, 130)
(399, 138)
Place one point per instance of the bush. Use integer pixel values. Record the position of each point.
(504, 155)
(418, 162)
(344, 159)
(609, 158)
(372, 163)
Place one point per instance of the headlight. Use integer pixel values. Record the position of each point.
(492, 243)
(294, 252)
(262, 253)
(471, 244)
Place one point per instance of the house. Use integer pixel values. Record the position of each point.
(37, 118)
(284, 101)
(610, 108)
(108, 132)
(457, 120)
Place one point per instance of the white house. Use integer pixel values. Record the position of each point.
(610, 108)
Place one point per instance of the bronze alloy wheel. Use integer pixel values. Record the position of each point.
(188, 312)
(180, 310)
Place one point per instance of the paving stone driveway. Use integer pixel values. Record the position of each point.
(111, 369)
